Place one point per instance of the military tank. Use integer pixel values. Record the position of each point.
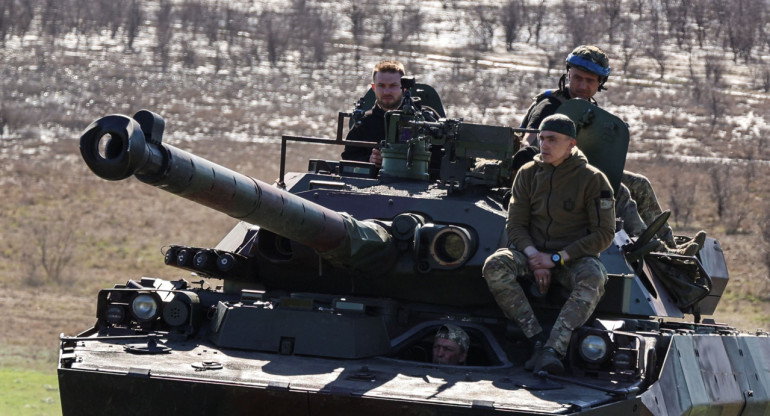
(335, 281)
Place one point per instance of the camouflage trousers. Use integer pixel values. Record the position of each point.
(647, 203)
(625, 209)
(585, 277)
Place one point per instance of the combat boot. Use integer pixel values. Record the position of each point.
(686, 249)
(530, 364)
(700, 239)
(548, 360)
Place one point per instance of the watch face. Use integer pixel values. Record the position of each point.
(556, 258)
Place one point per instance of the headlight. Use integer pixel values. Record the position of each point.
(144, 307)
(451, 246)
(115, 314)
(593, 348)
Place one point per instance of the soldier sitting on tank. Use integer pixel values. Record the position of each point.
(450, 345)
(560, 217)
(588, 68)
(386, 84)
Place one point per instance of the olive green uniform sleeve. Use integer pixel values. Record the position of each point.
(519, 210)
(600, 208)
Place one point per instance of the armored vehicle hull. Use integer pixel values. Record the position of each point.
(336, 280)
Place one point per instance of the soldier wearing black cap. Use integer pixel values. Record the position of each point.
(561, 216)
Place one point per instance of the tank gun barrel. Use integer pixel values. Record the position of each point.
(116, 147)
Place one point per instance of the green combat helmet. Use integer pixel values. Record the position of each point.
(592, 59)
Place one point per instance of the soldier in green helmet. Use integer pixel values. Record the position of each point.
(588, 69)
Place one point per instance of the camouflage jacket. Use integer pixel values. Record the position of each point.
(568, 207)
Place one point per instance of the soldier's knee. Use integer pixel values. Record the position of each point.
(597, 279)
(504, 266)
(493, 262)
(591, 274)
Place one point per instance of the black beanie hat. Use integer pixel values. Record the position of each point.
(560, 124)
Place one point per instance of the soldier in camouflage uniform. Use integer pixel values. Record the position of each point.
(588, 68)
(561, 216)
(450, 345)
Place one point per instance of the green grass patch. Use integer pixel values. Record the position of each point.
(29, 393)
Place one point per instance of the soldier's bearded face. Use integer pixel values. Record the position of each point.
(582, 84)
(555, 147)
(387, 90)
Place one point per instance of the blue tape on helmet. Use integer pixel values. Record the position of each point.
(589, 65)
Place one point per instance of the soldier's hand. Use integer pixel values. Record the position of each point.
(543, 280)
(376, 158)
(540, 261)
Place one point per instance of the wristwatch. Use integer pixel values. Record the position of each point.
(557, 259)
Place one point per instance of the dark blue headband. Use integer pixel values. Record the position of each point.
(589, 65)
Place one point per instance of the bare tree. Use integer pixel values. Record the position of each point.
(612, 10)
(235, 23)
(535, 22)
(411, 21)
(386, 30)
(637, 7)
(191, 14)
(745, 17)
(275, 30)
(483, 21)
(213, 15)
(654, 47)
(189, 57)
(729, 198)
(322, 25)
(701, 14)
(133, 22)
(512, 20)
(51, 19)
(54, 248)
(681, 200)
(113, 16)
(714, 69)
(714, 102)
(764, 234)
(629, 45)
(720, 175)
(763, 76)
(357, 13)
(697, 83)
(578, 28)
(677, 16)
(553, 60)
(7, 17)
(164, 33)
(23, 19)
